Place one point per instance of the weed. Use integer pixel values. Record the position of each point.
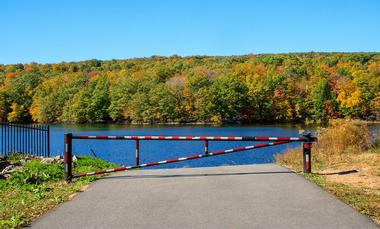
(38, 187)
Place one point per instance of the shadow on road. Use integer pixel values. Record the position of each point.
(338, 173)
(191, 175)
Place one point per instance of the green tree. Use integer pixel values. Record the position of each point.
(90, 104)
(121, 91)
(322, 96)
(52, 95)
(20, 93)
(228, 98)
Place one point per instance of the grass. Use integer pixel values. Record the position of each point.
(365, 201)
(344, 146)
(38, 187)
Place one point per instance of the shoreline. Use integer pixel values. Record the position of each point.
(198, 123)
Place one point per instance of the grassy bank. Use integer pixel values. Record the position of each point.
(346, 163)
(38, 186)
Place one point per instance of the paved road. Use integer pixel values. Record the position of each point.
(249, 196)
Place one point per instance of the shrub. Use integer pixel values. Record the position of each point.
(339, 138)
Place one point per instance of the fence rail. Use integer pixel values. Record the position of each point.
(28, 138)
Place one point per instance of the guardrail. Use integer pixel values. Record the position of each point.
(306, 138)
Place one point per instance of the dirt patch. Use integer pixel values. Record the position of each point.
(367, 176)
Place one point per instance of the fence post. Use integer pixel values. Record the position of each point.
(307, 157)
(2, 139)
(68, 157)
(48, 140)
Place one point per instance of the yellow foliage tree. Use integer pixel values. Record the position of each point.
(17, 113)
(349, 94)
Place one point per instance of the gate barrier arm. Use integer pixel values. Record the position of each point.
(307, 140)
(303, 138)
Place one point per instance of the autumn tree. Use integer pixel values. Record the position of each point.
(247, 88)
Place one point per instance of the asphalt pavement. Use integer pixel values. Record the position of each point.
(234, 197)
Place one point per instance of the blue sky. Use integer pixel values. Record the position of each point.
(71, 30)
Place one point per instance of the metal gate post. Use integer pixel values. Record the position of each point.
(206, 147)
(68, 157)
(307, 157)
(137, 152)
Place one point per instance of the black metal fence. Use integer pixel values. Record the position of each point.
(25, 138)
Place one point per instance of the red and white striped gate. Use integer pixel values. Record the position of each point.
(307, 140)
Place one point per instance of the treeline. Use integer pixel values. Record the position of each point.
(249, 88)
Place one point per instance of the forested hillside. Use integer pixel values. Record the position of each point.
(250, 88)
